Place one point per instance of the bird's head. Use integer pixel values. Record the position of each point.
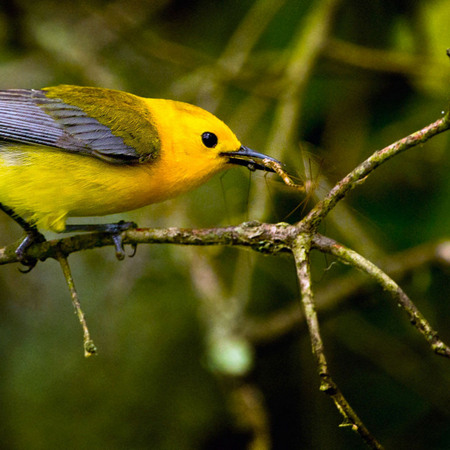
(198, 142)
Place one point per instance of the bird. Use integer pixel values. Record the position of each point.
(76, 151)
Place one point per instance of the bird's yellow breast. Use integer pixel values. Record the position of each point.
(46, 185)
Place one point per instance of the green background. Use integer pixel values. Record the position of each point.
(161, 320)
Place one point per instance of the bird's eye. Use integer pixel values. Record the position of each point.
(209, 139)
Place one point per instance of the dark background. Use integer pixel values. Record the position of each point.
(164, 319)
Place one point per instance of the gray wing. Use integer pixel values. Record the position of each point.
(28, 116)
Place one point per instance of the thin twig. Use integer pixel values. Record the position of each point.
(88, 344)
(359, 174)
(416, 318)
(330, 297)
(301, 254)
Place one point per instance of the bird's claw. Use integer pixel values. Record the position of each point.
(116, 230)
(31, 238)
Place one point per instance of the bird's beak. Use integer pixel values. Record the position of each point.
(249, 158)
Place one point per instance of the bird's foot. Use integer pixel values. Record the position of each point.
(32, 237)
(114, 229)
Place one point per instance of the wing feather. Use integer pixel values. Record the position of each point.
(32, 117)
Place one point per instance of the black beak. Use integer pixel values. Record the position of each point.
(249, 158)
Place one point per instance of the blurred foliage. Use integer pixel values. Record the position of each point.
(380, 74)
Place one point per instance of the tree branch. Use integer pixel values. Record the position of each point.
(264, 238)
(359, 174)
(329, 298)
(301, 251)
(348, 256)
